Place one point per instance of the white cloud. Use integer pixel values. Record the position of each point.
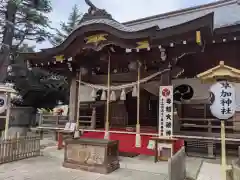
(121, 10)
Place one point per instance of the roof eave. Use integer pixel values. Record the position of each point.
(180, 12)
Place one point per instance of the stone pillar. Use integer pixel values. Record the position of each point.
(72, 99)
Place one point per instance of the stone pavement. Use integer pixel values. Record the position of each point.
(210, 171)
(49, 167)
(44, 167)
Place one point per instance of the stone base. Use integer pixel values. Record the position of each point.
(235, 170)
(229, 174)
(94, 168)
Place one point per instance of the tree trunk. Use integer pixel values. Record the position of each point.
(8, 35)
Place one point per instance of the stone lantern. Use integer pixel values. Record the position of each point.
(5, 105)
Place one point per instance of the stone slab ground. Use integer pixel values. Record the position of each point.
(49, 166)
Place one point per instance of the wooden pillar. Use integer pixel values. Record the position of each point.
(106, 133)
(77, 104)
(93, 118)
(138, 135)
(72, 99)
(210, 143)
(176, 118)
(166, 80)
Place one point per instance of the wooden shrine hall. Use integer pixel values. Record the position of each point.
(122, 67)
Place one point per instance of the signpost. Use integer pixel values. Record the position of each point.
(223, 107)
(165, 111)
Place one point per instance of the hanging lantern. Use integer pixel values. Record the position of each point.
(83, 71)
(113, 96)
(9, 69)
(132, 65)
(123, 95)
(59, 58)
(59, 102)
(103, 96)
(93, 93)
(29, 66)
(134, 92)
(163, 54)
(198, 38)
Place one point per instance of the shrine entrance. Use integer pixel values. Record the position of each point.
(148, 109)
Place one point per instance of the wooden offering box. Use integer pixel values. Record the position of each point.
(95, 155)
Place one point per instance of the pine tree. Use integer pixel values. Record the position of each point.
(27, 19)
(21, 20)
(66, 27)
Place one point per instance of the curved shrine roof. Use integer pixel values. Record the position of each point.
(98, 21)
(112, 23)
(226, 13)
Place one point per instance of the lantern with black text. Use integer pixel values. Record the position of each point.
(224, 105)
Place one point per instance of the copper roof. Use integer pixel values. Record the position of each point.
(182, 11)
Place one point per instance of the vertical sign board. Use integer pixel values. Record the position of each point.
(165, 116)
(165, 110)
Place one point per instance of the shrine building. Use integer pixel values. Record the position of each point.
(115, 71)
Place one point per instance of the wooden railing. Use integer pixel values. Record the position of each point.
(17, 148)
(206, 123)
(50, 120)
(194, 118)
(59, 121)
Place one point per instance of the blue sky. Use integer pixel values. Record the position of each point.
(121, 10)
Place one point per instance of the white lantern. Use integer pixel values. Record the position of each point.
(83, 71)
(3, 103)
(163, 54)
(9, 69)
(224, 103)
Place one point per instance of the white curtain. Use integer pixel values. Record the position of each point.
(201, 90)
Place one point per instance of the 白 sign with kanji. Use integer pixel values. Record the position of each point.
(165, 110)
(224, 105)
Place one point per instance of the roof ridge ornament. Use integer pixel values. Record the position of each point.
(92, 8)
(95, 13)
